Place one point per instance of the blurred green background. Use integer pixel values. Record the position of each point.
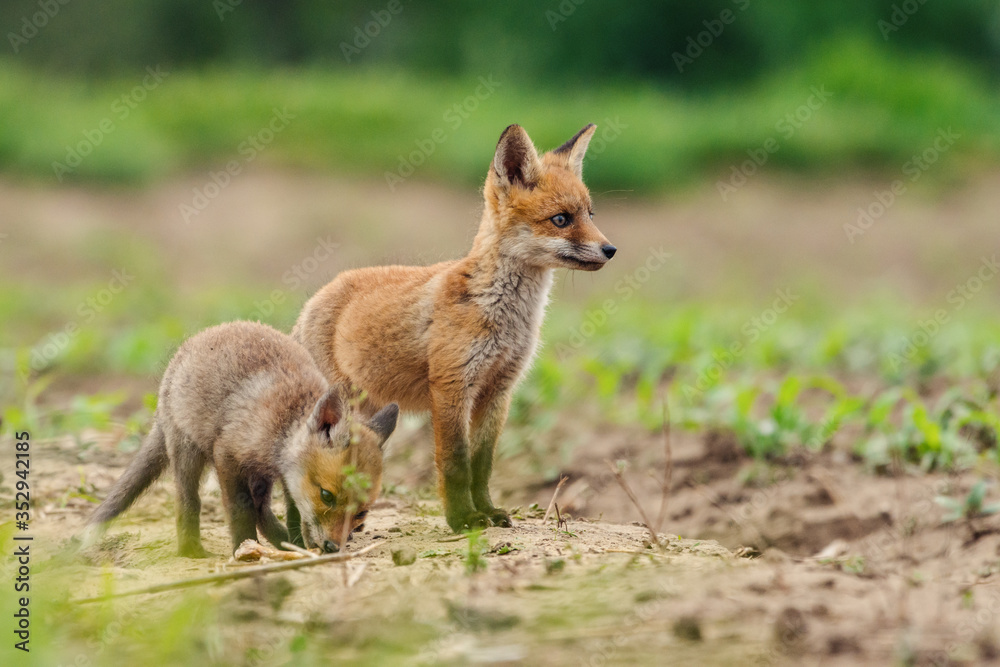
(695, 85)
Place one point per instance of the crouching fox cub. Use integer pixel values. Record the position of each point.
(249, 401)
(455, 337)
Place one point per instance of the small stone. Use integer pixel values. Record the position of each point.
(687, 627)
(404, 556)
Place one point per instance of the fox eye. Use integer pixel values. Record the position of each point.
(560, 220)
(328, 497)
(591, 215)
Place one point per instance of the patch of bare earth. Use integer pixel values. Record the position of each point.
(826, 564)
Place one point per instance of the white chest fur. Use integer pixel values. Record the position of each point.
(513, 305)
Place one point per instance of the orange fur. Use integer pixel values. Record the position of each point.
(455, 337)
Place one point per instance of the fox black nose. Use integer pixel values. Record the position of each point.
(330, 547)
(609, 250)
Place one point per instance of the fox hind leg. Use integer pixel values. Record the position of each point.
(189, 464)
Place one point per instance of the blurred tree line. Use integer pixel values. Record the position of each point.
(682, 43)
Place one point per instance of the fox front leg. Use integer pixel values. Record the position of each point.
(487, 424)
(294, 521)
(451, 455)
(238, 503)
(267, 523)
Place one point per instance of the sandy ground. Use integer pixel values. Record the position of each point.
(828, 565)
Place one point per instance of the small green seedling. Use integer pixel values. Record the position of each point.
(970, 507)
(475, 560)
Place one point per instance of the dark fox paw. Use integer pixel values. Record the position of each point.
(471, 521)
(500, 518)
(193, 551)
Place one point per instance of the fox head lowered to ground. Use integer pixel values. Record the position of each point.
(537, 208)
(334, 469)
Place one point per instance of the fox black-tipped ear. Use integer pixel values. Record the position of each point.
(516, 160)
(576, 148)
(327, 413)
(384, 422)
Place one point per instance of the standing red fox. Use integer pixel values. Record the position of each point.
(455, 337)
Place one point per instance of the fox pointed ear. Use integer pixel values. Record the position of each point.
(384, 422)
(516, 161)
(328, 412)
(576, 148)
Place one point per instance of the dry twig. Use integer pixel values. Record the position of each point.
(555, 494)
(622, 482)
(239, 574)
(668, 469)
(297, 549)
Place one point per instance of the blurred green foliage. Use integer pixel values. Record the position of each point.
(556, 41)
(875, 110)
